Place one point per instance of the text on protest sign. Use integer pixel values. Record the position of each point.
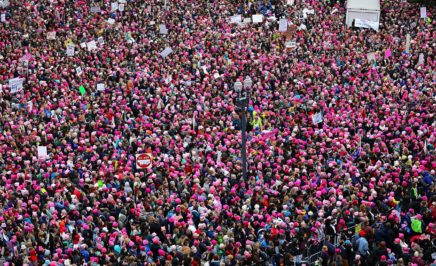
(114, 6)
(257, 18)
(163, 29)
(144, 161)
(283, 25)
(100, 87)
(70, 49)
(166, 52)
(16, 85)
(423, 12)
(236, 19)
(317, 118)
(42, 152)
(91, 45)
(51, 35)
(95, 9)
(363, 23)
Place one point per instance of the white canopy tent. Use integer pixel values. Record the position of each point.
(363, 9)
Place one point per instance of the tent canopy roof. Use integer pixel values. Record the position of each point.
(366, 4)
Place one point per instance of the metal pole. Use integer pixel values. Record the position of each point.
(244, 140)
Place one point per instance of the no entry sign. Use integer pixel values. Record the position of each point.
(144, 160)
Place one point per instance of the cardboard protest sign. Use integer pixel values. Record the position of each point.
(407, 43)
(236, 19)
(121, 7)
(42, 152)
(166, 52)
(291, 44)
(51, 35)
(91, 45)
(257, 18)
(144, 161)
(95, 9)
(70, 50)
(100, 40)
(114, 6)
(423, 12)
(421, 60)
(317, 118)
(79, 71)
(163, 29)
(16, 85)
(363, 23)
(100, 87)
(283, 25)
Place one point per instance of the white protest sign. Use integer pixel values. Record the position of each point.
(121, 7)
(100, 40)
(370, 56)
(247, 20)
(144, 160)
(216, 76)
(302, 27)
(114, 6)
(95, 9)
(51, 35)
(101, 87)
(91, 45)
(111, 21)
(42, 152)
(163, 29)
(421, 59)
(317, 118)
(283, 25)
(363, 23)
(166, 52)
(3, 17)
(257, 18)
(16, 85)
(4, 3)
(407, 43)
(236, 19)
(70, 49)
(83, 45)
(78, 71)
(423, 12)
(1, 87)
(290, 44)
(290, 2)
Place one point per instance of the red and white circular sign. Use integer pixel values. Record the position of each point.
(144, 160)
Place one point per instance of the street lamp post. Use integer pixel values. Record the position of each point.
(243, 104)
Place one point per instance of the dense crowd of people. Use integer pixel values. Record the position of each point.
(356, 188)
